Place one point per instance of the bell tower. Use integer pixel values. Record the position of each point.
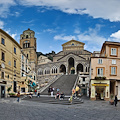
(28, 44)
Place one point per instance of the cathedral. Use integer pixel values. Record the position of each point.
(73, 59)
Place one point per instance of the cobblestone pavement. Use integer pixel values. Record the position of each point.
(30, 110)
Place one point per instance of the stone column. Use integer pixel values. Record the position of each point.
(75, 67)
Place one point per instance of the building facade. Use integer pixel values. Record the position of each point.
(73, 59)
(10, 53)
(105, 77)
(28, 45)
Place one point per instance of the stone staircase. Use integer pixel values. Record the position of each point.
(65, 83)
(52, 100)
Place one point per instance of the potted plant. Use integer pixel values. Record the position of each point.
(8, 90)
(111, 99)
(12, 94)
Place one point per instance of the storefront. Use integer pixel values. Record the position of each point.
(2, 89)
(100, 90)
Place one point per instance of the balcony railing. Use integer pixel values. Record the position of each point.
(100, 78)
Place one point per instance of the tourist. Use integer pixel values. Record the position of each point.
(62, 96)
(18, 96)
(115, 101)
(38, 94)
(57, 95)
(30, 95)
(58, 89)
(35, 91)
(51, 92)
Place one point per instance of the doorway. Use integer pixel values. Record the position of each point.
(100, 93)
(2, 91)
(71, 66)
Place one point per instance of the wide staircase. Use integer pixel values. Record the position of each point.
(65, 83)
(52, 100)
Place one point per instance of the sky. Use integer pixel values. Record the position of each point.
(56, 22)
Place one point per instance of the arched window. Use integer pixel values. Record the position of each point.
(26, 36)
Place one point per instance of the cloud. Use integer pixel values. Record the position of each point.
(31, 21)
(4, 7)
(1, 24)
(116, 35)
(98, 9)
(12, 35)
(62, 37)
(49, 30)
(91, 37)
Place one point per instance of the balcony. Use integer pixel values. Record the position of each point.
(83, 73)
(100, 78)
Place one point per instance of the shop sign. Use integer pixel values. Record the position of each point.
(100, 84)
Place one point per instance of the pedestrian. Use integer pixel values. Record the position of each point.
(35, 91)
(18, 96)
(51, 92)
(38, 94)
(115, 101)
(70, 99)
(58, 89)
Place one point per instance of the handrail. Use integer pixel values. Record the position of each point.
(75, 82)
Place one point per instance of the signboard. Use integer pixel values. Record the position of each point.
(100, 84)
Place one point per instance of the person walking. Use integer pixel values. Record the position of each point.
(18, 96)
(115, 101)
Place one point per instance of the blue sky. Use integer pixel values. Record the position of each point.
(58, 21)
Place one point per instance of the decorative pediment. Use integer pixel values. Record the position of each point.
(73, 45)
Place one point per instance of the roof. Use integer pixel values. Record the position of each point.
(73, 41)
(2, 31)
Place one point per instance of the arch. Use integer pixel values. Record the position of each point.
(47, 70)
(71, 65)
(54, 69)
(26, 36)
(40, 71)
(62, 69)
(79, 68)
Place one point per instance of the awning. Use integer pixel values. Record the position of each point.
(100, 85)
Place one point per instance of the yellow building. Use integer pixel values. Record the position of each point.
(10, 53)
(27, 75)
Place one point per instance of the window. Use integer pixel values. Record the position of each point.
(22, 57)
(99, 61)
(113, 61)
(2, 75)
(113, 51)
(26, 45)
(99, 71)
(113, 70)
(22, 66)
(26, 36)
(3, 41)
(26, 61)
(15, 63)
(83, 79)
(22, 74)
(3, 56)
(27, 55)
(8, 76)
(14, 50)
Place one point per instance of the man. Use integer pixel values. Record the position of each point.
(115, 101)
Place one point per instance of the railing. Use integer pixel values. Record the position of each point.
(75, 82)
(82, 73)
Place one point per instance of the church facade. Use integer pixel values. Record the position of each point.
(73, 59)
